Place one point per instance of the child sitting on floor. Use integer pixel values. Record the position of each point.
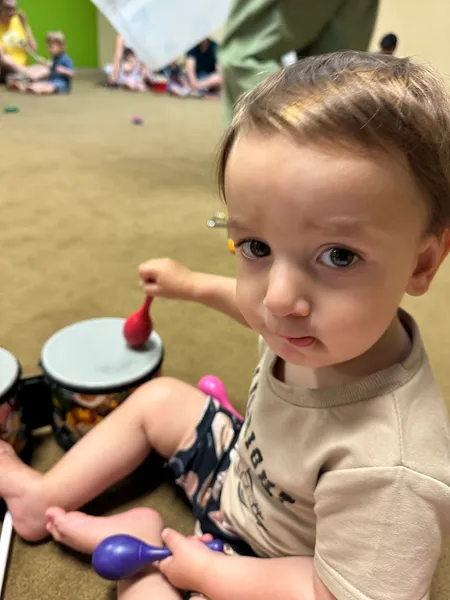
(58, 78)
(131, 74)
(336, 177)
(177, 81)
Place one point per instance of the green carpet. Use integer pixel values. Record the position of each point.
(85, 197)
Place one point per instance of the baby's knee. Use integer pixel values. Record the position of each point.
(160, 390)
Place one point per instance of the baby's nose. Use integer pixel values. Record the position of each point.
(286, 293)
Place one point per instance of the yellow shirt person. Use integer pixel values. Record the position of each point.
(12, 36)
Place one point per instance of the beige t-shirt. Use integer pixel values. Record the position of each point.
(356, 476)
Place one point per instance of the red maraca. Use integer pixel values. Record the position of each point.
(138, 326)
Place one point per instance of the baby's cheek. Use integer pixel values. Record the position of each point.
(248, 299)
(359, 324)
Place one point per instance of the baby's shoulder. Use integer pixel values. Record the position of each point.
(423, 425)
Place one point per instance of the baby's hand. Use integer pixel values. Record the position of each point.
(166, 278)
(190, 559)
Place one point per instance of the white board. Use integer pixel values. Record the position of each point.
(159, 31)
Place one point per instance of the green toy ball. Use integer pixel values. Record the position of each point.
(11, 109)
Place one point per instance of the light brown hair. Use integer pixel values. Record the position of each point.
(362, 100)
(56, 37)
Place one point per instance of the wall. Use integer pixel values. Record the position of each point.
(106, 40)
(422, 28)
(76, 18)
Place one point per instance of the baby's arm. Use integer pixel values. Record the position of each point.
(244, 578)
(168, 279)
(65, 71)
(66, 68)
(217, 292)
(221, 577)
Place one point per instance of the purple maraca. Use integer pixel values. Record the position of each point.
(122, 556)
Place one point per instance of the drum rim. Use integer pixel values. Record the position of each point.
(93, 388)
(96, 391)
(9, 391)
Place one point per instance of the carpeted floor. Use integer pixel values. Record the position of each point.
(85, 196)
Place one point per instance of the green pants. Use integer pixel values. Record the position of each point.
(259, 32)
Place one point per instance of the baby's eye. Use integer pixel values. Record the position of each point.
(339, 258)
(254, 249)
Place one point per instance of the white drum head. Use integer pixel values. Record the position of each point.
(92, 356)
(9, 371)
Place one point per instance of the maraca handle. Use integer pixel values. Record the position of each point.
(147, 302)
(163, 552)
(228, 406)
(216, 545)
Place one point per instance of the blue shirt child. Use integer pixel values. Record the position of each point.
(62, 83)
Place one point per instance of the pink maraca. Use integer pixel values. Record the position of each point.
(213, 386)
(138, 326)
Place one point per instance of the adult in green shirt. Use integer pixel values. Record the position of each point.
(259, 32)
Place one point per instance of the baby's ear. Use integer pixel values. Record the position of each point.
(432, 253)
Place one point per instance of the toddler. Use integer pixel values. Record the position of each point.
(132, 73)
(59, 80)
(177, 81)
(336, 177)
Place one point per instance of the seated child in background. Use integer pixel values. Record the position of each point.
(58, 78)
(177, 81)
(131, 74)
(181, 83)
(335, 173)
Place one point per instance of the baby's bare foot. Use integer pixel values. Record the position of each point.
(21, 488)
(83, 532)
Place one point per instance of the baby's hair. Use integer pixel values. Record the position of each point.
(128, 53)
(57, 37)
(362, 101)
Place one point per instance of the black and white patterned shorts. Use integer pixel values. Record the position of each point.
(200, 470)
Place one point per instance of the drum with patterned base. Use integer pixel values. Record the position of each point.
(12, 429)
(91, 370)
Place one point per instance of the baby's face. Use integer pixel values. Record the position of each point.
(129, 64)
(327, 242)
(54, 48)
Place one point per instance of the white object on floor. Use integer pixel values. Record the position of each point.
(161, 31)
(5, 543)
